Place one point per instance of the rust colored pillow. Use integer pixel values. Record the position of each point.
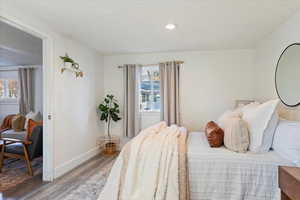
(31, 125)
(214, 134)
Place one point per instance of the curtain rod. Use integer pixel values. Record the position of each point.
(145, 65)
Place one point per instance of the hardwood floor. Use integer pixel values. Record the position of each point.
(23, 189)
(91, 175)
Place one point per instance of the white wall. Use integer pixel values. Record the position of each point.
(76, 122)
(210, 81)
(8, 109)
(268, 52)
(76, 125)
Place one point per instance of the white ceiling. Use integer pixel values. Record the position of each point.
(114, 26)
(18, 47)
(12, 57)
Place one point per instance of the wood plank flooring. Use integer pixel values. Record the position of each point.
(91, 175)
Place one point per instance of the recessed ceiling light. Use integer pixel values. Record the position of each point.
(170, 26)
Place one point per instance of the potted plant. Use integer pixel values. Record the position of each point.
(70, 64)
(109, 111)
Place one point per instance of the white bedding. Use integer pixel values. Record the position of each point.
(220, 174)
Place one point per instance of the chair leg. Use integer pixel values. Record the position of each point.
(2, 156)
(27, 160)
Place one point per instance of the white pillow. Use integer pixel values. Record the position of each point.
(36, 116)
(262, 120)
(287, 141)
(248, 106)
(234, 113)
(269, 132)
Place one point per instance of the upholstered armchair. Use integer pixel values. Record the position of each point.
(6, 124)
(22, 146)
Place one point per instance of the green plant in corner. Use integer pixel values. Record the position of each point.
(109, 111)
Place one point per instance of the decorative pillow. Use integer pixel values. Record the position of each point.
(236, 135)
(214, 134)
(262, 121)
(31, 125)
(18, 122)
(238, 112)
(36, 116)
(228, 114)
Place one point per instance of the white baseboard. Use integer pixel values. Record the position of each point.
(75, 162)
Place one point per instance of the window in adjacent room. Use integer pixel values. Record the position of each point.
(8, 89)
(149, 89)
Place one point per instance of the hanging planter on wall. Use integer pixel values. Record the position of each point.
(71, 65)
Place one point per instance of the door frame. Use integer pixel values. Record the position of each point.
(48, 92)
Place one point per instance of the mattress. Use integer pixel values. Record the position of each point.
(220, 174)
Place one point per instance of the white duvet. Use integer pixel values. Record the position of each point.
(220, 174)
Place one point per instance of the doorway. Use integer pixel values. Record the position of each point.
(47, 92)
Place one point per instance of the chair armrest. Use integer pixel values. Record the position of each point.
(2, 130)
(16, 140)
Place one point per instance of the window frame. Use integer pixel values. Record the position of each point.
(9, 101)
(142, 111)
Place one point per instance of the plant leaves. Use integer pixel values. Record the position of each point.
(109, 109)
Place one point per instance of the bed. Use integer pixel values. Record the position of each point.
(217, 173)
(167, 163)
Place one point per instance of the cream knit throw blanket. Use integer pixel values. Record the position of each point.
(152, 166)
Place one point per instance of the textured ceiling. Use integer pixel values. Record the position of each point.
(114, 26)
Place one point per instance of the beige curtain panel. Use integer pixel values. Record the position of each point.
(170, 92)
(131, 102)
(26, 90)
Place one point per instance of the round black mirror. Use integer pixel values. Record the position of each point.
(287, 76)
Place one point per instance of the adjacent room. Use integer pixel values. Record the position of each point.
(150, 100)
(21, 107)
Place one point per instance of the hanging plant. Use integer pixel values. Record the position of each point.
(70, 64)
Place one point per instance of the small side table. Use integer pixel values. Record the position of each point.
(109, 145)
(289, 183)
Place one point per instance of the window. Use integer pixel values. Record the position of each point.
(149, 89)
(8, 90)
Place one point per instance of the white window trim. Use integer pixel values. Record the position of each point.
(150, 111)
(9, 101)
